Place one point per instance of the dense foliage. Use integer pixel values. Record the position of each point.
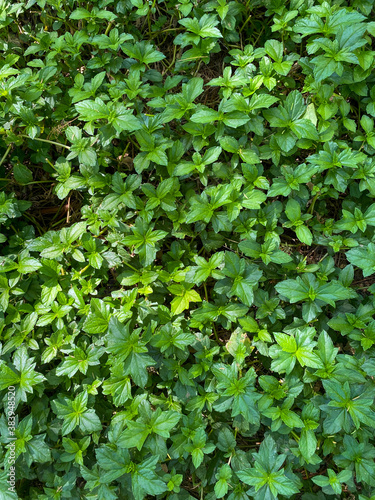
(188, 252)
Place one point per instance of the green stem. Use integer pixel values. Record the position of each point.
(161, 32)
(213, 324)
(123, 154)
(245, 23)
(295, 436)
(51, 164)
(311, 208)
(108, 27)
(3, 179)
(31, 219)
(149, 23)
(205, 292)
(45, 140)
(131, 267)
(199, 65)
(173, 58)
(58, 211)
(260, 34)
(39, 182)
(84, 269)
(5, 154)
(58, 222)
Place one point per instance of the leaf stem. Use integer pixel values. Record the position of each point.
(297, 438)
(39, 182)
(58, 222)
(213, 324)
(46, 140)
(84, 269)
(245, 23)
(131, 267)
(31, 219)
(173, 58)
(108, 27)
(50, 163)
(5, 154)
(311, 208)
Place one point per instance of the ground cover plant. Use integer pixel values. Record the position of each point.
(187, 269)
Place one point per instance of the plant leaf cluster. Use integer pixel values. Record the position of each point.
(187, 270)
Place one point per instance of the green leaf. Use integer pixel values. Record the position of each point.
(267, 477)
(160, 423)
(304, 128)
(304, 235)
(21, 374)
(183, 299)
(205, 116)
(223, 476)
(75, 413)
(144, 239)
(28, 265)
(364, 258)
(292, 348)
(97, 320)
(307, 443)
(22, 174)
(118, 385)
(80, 13)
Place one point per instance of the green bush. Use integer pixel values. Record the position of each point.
(188, 251)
